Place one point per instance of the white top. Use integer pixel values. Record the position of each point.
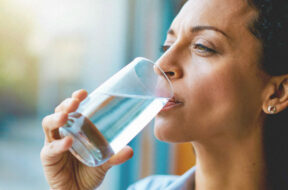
(162, 182)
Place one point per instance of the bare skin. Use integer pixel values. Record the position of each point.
(212, 60)
(62, 170)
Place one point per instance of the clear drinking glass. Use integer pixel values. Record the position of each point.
(113, 114)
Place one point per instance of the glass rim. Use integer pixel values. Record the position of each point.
(161, 70)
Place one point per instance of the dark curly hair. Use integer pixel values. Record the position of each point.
(271, 28)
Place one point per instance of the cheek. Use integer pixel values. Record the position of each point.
(214, 96)
(208, 95)
(218, 99)
(211, 88)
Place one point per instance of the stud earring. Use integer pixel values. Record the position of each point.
(272, 109)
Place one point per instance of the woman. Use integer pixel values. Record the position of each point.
(227, 63)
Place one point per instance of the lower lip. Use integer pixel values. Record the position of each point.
(169, 106)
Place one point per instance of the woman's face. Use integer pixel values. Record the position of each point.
(212, 60)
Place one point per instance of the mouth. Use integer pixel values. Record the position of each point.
(172, 103)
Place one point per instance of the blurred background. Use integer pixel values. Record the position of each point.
(50, 48)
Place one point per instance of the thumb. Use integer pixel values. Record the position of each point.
(52, 152)
(125, 154)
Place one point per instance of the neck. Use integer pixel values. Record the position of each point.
(225, 164)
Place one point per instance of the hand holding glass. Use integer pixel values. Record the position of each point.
(113, 114)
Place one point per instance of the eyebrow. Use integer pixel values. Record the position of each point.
(201, 28)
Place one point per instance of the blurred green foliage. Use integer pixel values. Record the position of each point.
(18, 66)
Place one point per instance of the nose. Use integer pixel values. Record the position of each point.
(169, 64)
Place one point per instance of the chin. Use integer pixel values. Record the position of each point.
(174, 131)
(166, 132)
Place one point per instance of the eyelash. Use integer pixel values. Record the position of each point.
(164, 48)
(203, 49)
(200, 47)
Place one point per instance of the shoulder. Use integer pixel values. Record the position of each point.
(154, 182)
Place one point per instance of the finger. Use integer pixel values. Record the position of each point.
(68, 105)
(71, 104)
(80, 94)
(51, 123)
(125, 154)
(52, 152)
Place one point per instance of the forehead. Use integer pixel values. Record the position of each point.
(227, 15)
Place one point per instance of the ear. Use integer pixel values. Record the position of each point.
(276, 95)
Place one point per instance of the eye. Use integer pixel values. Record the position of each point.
(164, 48)
(200, 48)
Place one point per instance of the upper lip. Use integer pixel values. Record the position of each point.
(174, 100)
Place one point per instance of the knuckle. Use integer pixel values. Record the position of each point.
(62, 117)
(64, 103)
(51, 122)
(51, 146)
(43, 153)
(75, 102)
(45, 121)
(75, 93)
(68, 100)
(57, 109)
